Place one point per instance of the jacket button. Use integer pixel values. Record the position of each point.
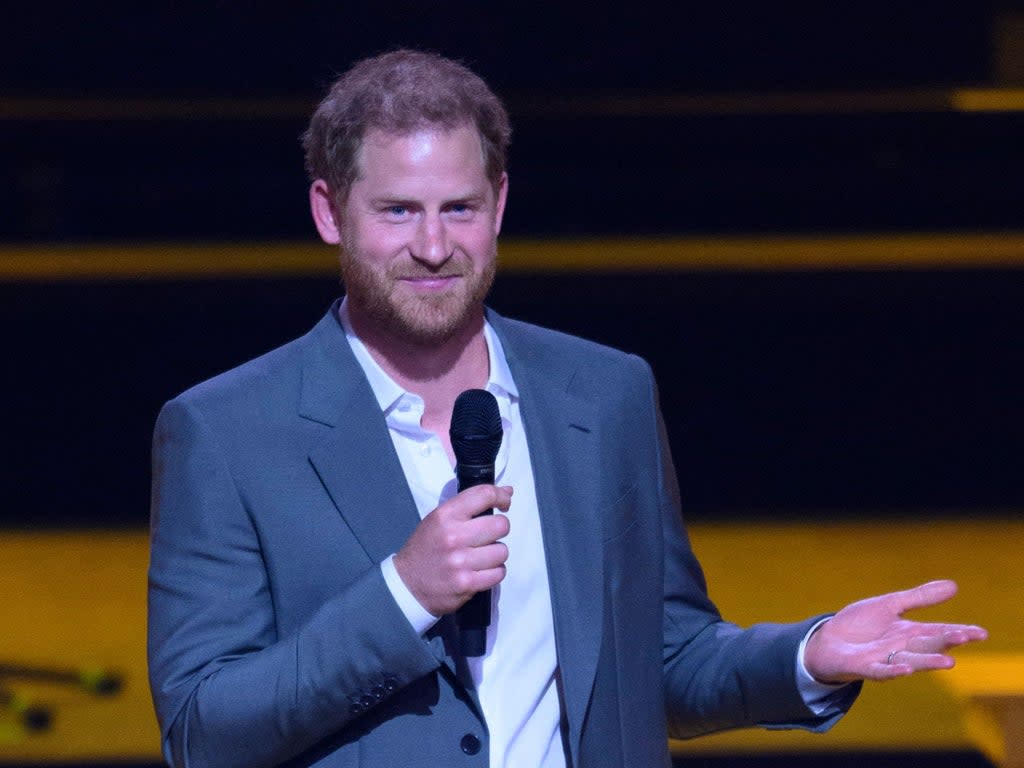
(390, 685)
(367, 701)
(470, 744)
(378, 692)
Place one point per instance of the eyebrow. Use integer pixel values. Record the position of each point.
(472, 197)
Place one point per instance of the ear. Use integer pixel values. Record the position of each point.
(499, 204)
(325, 215)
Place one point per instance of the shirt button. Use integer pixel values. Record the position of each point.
(470, 744)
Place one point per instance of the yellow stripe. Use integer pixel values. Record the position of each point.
(988, 99)
(765, 571)
(767, 252)
(103, 109)
(162, 261)
(241, 260)
(526, 103)
(648, 104)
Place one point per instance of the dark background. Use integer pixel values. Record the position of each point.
(788, 393)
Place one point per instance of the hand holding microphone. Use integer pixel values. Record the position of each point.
(454, 555)
(476, 437)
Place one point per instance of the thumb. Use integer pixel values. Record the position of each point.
(922, 596)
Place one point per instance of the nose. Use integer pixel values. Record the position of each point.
(431, 246)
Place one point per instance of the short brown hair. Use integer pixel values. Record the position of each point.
(401, 92)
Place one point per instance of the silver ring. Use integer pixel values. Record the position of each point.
(889, 658)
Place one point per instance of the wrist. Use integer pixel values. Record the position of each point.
(815, 656)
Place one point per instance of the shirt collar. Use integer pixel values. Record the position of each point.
(389, 393)
(499, 381)
(385, 389)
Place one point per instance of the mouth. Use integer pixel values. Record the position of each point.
(429, 282)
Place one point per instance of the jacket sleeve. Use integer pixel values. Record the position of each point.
(228, 690)
(716, 674)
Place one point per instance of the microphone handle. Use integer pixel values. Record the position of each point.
(474, 616)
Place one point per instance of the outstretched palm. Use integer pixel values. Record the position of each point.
(870, 639)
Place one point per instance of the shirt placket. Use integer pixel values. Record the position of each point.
(434, 477)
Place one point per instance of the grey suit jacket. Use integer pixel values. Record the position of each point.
(273, 638)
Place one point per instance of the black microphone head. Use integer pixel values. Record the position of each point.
(476, 428)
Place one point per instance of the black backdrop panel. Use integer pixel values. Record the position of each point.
(784, 393)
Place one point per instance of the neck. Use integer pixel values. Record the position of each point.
(438, 372)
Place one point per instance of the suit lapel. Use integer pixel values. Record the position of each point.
(356, 460)
(562, 432)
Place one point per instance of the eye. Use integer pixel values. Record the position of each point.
(396, 211)
(461, 210)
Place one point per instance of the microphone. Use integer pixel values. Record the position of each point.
(476, 436)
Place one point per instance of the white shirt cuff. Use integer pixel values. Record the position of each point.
(816, 695)
(419, 617)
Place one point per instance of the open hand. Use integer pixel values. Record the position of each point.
(870, 639)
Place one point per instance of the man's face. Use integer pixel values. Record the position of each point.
(418, 234)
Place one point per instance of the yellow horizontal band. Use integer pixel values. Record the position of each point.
(259, 259)
(576, 103)
(988, 99)
(848, 102)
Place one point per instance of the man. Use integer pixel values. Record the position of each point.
(309, 549)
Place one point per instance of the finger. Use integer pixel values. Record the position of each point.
(480, 498)
(468, 583)
(489, 578)
(880, 671)
(966, 634)
(919, 662)
(484, 530)
(903, 663)
(922, 596)
(940, 637)
(486, 558)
